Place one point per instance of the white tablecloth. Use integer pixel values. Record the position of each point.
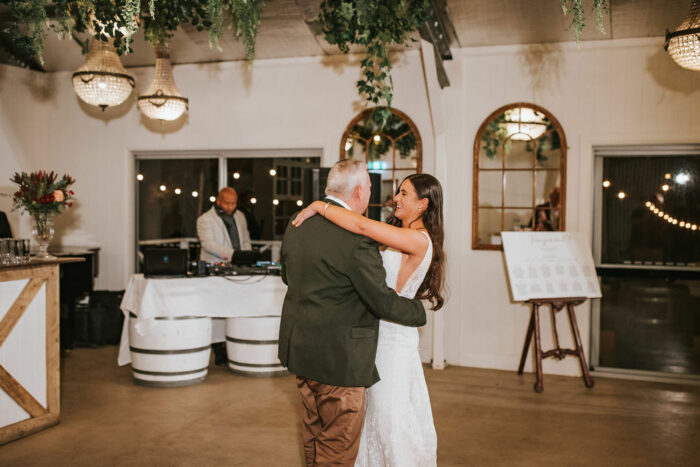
(217, 297)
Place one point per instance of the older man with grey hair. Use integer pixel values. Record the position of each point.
(336, 295)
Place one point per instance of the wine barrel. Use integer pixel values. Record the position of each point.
(169, 352)
(251, 346)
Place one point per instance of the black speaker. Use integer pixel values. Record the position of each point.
(375, 212)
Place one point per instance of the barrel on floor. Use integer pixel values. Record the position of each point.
(169, 352)
(251, 345)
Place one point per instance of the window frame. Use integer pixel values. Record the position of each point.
(476, 170)
(413, 128)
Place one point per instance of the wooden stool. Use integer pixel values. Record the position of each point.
(556, 305)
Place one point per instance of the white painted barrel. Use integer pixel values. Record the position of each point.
(251, 345)
(168, 352)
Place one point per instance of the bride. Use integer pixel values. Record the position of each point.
(398, 427)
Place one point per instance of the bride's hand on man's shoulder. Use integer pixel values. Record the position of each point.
(305, 213)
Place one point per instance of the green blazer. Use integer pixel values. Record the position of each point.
(336, 295)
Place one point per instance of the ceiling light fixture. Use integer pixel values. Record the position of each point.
(524, 123)
(162, 100)
(102, 80)
(683, 44)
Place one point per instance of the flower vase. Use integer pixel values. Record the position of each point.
(43, 232)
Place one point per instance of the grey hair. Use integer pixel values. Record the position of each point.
(345, 176)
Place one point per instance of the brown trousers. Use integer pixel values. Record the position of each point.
(333, 419)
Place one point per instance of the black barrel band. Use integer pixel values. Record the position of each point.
(251, 342)
(167, 373)
(167, 352)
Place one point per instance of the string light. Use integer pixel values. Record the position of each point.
(178, 191)
(665, 187)
(300, 203)
(195, 194)
(275, 202)
(621, 195)
(212, 198)
(162, 188)
(273, 172)
(139, 177)
(253, 200)
(606, 183)
(236, 175)
(670, 219)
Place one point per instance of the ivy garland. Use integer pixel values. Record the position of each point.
(374, 26)
(246, 21)
(577, 14)
(118, 20)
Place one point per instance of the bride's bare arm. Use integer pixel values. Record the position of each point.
(407, 240)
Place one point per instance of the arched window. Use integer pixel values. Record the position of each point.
(392, 151)
(519, 174)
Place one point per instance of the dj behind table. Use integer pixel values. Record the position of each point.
(176, 309)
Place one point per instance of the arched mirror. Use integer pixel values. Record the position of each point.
(519, 174)
(392, 152)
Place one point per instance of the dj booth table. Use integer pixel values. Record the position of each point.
(170, 324)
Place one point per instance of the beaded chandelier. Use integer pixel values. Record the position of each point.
(683, 44)
(162, 100)
(102, 80)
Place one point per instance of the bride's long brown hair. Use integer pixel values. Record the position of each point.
(433, 286)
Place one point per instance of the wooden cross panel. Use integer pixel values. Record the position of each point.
(40, 417)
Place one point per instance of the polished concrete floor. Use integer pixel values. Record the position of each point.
(483, 418)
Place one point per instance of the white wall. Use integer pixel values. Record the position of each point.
(608, 92)
(23, 132)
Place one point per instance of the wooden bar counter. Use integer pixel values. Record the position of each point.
(29, 347)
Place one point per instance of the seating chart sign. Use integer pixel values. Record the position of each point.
(549, 265)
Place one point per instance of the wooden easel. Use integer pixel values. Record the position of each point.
(556, 304)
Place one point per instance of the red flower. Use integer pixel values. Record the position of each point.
(69, 204)
(71, 192)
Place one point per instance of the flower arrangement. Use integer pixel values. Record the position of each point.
(42, 192)
(43, 195)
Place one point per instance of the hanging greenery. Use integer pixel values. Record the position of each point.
(24, 37)
(119, 20)
(374, 26)
(577, 15)
(160, 27)
(394, 129)
(246, 20)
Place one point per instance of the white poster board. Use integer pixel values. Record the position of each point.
(549, 265)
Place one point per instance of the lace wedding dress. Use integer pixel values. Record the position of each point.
(398, 429)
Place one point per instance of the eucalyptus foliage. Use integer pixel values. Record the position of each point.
(375, 26)
(575, 7)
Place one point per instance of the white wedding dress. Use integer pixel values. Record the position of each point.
(398, 429)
